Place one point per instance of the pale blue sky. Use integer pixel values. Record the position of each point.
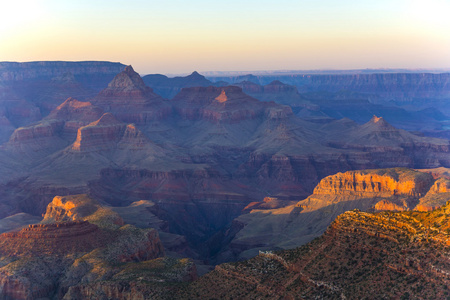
(175, 36)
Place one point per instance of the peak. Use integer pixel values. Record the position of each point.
(276, 82)
(376, 119)
(222, 97)
(196, 74)
(127, 79)
(129, 69)
(379, 121)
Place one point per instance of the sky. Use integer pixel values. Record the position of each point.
(179, 36)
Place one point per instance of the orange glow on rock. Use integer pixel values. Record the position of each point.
(222, 97)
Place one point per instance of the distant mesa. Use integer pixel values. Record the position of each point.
(169, 87)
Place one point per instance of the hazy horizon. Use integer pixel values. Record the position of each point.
(177, 37)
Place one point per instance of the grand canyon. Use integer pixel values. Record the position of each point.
(311, 185)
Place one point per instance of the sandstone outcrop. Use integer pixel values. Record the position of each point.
(380, 183)
(75, 208)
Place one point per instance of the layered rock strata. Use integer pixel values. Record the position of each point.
(130, 100)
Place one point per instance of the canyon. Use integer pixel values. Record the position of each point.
(220, 172)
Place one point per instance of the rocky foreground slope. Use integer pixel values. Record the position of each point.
(382, 255)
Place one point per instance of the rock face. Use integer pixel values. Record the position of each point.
(401, 187)
(360, 255)
(131, 100)
(379, 183)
